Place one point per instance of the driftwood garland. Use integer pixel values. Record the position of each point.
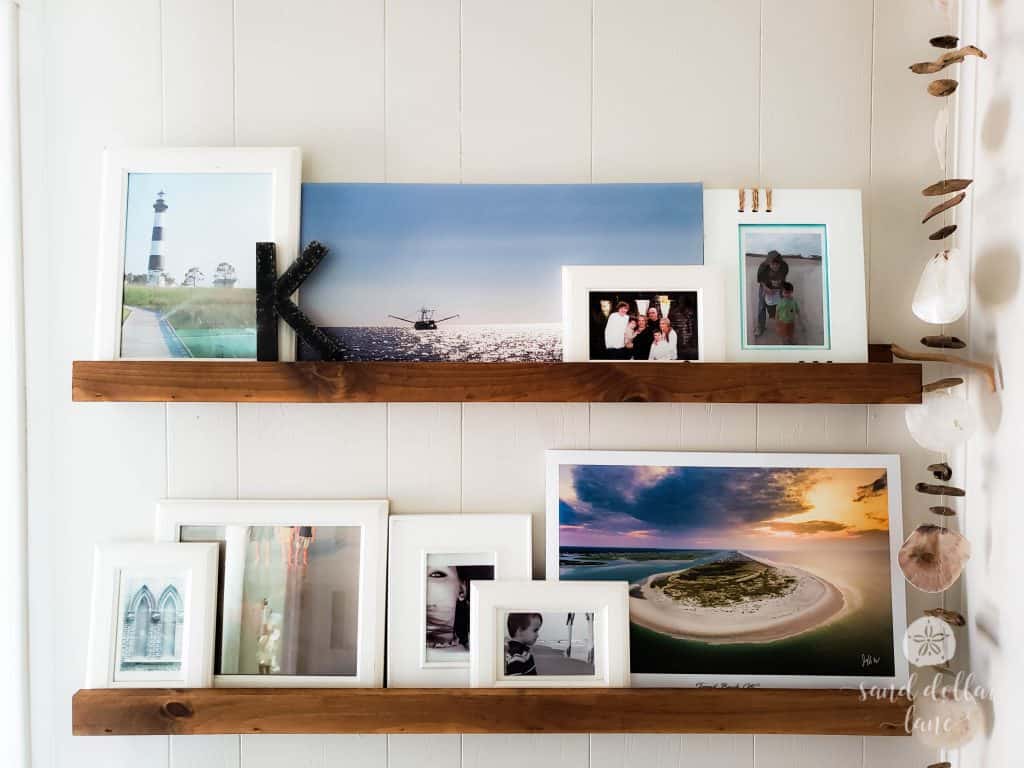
(932, 489)
(950, 617)
(941, 357)
(946, 60)
(944, 206)
(944, 41)
(946, 186)
(943, 232)
(942, 87)
(939, 384)
(943, 342)
(941, 471)
(942, 510)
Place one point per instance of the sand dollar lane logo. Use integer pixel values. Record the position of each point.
(929, 641)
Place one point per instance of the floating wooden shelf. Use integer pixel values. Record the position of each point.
(307, 382)
(483, 710)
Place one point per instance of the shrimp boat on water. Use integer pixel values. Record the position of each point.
(426, 321)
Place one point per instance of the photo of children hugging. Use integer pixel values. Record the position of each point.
(644, 325)
(784, 285)
(549, 643)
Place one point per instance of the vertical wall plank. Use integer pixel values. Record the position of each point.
(805, 428)
(547, 750)
(312, 451)
(503, 457)
(669, 751)
(419, 751)
(202, 457)
(205, 751)
(526, 91)
(808, 751)
(815, 93)
(304, 751)
(311, 73)
(636, 426)
(719, 427)
(198, 72)
(676, 91)
(424, 444)
(423, 90)
(881, 751)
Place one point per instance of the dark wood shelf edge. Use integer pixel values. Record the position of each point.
(210, 711)
(309, 382)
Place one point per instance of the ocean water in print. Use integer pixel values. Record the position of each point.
(520, 342)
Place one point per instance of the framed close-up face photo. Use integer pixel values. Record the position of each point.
(536, 634)
(177, 277)
(794, 276)
(744, 569)
(642, 313)
(301, 588)
(153, 615)
(434, 560)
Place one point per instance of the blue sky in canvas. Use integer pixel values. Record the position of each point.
(492, 253)
(210, 218)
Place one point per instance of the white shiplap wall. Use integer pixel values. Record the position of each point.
(781, 92)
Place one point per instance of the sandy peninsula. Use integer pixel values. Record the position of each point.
(741, 599)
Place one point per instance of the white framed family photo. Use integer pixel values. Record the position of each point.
(638, 313)
(153, 616)
(434, 560)
(536, 634)
(178, 234)
(301, 594)
(794, 277)
(744, 569)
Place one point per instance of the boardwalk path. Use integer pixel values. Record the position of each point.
(146, 335)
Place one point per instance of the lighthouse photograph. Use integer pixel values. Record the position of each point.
(190, 264)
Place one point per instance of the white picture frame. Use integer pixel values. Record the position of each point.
(503, 540)
(578, 282)
(369, 516)
(176, 586)
(657, 461)
(284, 164)
(836, 215)
(607, 601)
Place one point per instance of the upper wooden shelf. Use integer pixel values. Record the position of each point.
(215, 381)
(482, 710)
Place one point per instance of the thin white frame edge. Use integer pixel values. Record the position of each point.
(579, 281)
(610, 600)
(507, 537)
(109, 560)
(284, 163)
(370, 515)
(891, 462)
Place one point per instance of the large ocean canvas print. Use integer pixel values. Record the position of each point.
(744, 569)
(453, 272)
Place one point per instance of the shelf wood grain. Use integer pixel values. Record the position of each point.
(483, 710)
(308, 382)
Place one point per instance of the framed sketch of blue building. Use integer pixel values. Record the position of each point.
(472, 272)
(153, 615)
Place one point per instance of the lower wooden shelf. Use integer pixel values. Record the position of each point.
(123, 711)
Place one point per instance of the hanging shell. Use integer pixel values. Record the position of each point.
(942, 87)
(941, 422)
(932, 558)
(943, 233)
(942, 290)
(947, 719)
(944, 206)
(946, 186)
(950, 617)
(945, 41)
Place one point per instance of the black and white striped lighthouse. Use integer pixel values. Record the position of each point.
(156, 247)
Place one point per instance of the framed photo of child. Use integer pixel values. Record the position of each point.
(794, 276)
(536, 634)
(434, 561)
(642, 314)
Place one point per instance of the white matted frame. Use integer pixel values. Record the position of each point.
(196, 567)
(283, 163)
(369, 516)
(579, 282)
(492, 600)
(555, 459)
(838, 213)
(504, 539)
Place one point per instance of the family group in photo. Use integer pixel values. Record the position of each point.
(638, 328)
(776, 299)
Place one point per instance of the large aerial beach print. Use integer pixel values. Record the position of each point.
(751, 569)
(453, 272)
